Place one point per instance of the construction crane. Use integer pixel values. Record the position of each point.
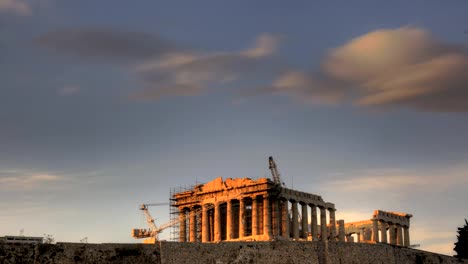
(150, 234)
(274, 172)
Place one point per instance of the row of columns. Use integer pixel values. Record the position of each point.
(398, 235)
(212, 226)
(275, 220)
(300, 229)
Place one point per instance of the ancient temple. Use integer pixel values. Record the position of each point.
(244, 209)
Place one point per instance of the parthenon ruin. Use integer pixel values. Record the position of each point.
(383, 224)
(261, 210)
(245, 209)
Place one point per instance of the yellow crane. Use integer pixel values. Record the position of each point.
(151, 234)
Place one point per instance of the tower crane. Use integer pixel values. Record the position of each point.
(152, 233)
(274, 172)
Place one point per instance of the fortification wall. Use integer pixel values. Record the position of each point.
(297, 252)
(220, 253)
(65, 253)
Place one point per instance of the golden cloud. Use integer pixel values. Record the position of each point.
(394, 67)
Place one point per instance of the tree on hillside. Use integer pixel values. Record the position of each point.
(461, 246)
(48, 239)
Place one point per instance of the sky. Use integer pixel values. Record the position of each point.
(105, 105)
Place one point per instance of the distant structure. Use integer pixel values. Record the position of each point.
(243, 209)
(21, 239)
(384, 227)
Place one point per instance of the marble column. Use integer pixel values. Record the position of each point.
(341, 231)
(205, 224)
(266, 218)
(323, 224)
(314, 226)
(362, 235)
(391, 232)
(399, 235)
(375, 230)
(295, 220)
(332, 224)
(229, 228)
(285, 219)
(277, 224)
(383, 232)
(255, 216)
(217, 222)
(368, 234)
(193, 225)
(211, 223)
(406, 242)
(305, 221)
(241, 218)
(183, 226)
(359, 236)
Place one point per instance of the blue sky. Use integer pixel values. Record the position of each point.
(108, 104)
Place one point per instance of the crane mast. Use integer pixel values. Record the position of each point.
(149, 218)
(274, 172)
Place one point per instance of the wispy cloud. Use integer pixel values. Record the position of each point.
(405, 67)
(400, 179)
(434, 240)
(353, 216)
(17, 7)
(106, 44)
(162, 67)
(27, 181)
(187, 74)
(68, 90)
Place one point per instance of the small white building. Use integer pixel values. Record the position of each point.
(21, 239)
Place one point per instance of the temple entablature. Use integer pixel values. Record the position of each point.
(402, 219)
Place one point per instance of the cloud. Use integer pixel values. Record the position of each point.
(386, 68)
(445, 248)
(402, 180)
(434, 240)
(26, 181)
(19, 179)
(307, 89)
(68, 90)
(18, 7)
(105, 44)
(188, 74)
(164, 68)
(353, 216)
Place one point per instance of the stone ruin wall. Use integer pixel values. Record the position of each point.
(220, 253)
(383, 227)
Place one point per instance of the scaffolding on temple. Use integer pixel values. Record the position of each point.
(174, 211)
